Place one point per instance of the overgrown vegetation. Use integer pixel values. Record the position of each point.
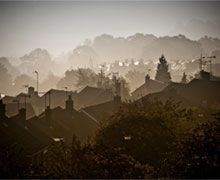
(142, 140)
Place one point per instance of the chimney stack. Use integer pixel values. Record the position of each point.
(69, 104)
(30, 91)
(2, 109)
(147, 78)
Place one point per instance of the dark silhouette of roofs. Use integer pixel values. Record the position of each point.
(35, 134)
(198, 93)
(92, 95)
(60, 120)
(13, 104)
(64, 123)
(104, 110)
(15, 134)
(86, 97)
(150, 86)
(35, 104)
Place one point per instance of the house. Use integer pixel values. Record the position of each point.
(14, 134)
(198, 92)
(56, 98)
(92, 95)
(22, 100)
(59, 123)
(13, 104)
(149, 86)
(104, 110)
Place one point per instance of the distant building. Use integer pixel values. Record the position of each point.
(204, 75)
(35, 104)
(149, 86)
(59, 123)
(198, 92)
(92, 95)
(15, 131)
(12, 107)
(105, 110)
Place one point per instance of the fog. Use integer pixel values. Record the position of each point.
(109, 89)
(61, 26)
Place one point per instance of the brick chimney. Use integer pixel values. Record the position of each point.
(30, 91)
(2, 109)
(69, 104)
(147, 78)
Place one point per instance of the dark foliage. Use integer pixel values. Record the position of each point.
(195, 156)
(143, 140)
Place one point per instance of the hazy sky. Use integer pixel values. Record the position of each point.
(61, 26)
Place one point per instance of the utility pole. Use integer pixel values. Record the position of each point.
(36, 72)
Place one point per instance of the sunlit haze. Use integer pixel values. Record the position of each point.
(61, 26)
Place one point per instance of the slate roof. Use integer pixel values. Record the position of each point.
(65, 125)
(100, 111)
(151, 86)
(12, 109)
(195, 93)
(92, 95)
(14, 134)
(11, 103)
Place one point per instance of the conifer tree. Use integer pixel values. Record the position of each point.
(184, 78)
(162, 73)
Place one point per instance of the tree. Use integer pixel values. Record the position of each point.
(86, 77)
(23, 80)
(184, 78)
(87, 161)
(49, 82)
(148, 127)
(196, 155)
(5, 79)
(38, 59)
(14, 163)
(78, 78)
(162, 73)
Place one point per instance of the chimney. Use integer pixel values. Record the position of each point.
(147, 78)
(48, 116)
(22, 116)
(69, 104)
(30, 91)
(2, 109)
(204, 75)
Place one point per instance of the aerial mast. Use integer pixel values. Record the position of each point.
(36, 72)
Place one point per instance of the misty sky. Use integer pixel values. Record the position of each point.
(61, 26)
